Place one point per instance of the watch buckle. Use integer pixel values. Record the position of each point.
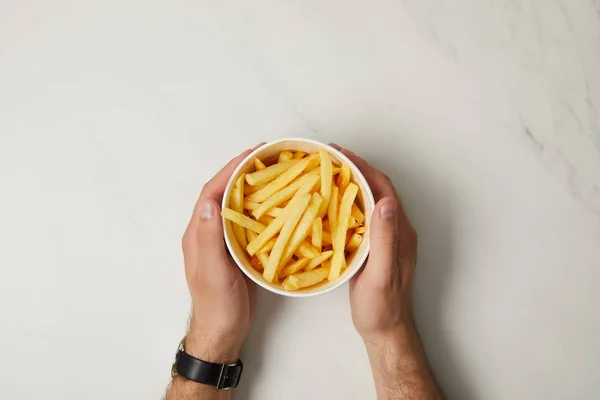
(223, 376)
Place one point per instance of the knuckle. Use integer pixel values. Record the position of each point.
(388, 237)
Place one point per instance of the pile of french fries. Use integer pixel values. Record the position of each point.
(299, 219)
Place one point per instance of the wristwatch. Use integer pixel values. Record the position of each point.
(222, 376)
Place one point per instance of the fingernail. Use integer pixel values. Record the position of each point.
(388, 210)
(207, 210)
(258, 145)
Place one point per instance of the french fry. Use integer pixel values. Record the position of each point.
(317, 233)
(326, 226)
(262, 258)
(241, 219)
(294, 267)
(313, 164)
(305, 279)
(357, 214)
(297, 209)
(302, 229)
(298, 155)
(344, 178)
(326, 180)
(249, 189)
(284, 156)
(307, 250)
(354, 242)
(326, 237)
(315, 262)
(255, 245)
(360, 229)
(352, 223)
(250, 206)
(266, 220)
(340, 234)
(333, 210)
(259, 165)
(236, 200)
(281, 181)
(336, 170)
(268, 246)
(269, 173)
(303, 184)
(255, 262)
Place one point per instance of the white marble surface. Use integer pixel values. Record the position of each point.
(485, 113)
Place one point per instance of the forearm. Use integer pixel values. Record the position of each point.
(183, 389)
(399, 367)
(206, 349)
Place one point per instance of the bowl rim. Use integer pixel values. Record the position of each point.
(359, 261)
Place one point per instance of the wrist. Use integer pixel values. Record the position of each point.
(211, 346)
(401, 332)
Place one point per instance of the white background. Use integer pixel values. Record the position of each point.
(485, 114)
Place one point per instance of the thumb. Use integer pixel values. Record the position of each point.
(384, 236)
(210, 232)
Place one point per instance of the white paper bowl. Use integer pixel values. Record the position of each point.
(270, 151)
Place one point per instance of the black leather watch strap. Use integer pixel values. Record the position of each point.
(222, 376)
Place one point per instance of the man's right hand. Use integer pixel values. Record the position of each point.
(380, 296)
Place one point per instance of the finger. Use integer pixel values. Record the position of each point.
(384, 237)
(209, 232)
(214, 188)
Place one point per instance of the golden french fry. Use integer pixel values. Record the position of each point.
(344, 178)
(302, 229)
(352, 223)
(249, 189)
(326, 180)
(333, 210)
(326, 226)
(269, 174)
(294, 267)
(299, 154)
(327, 248)
(317, 233)
(340, 234)
(326, 237)
(313, 164)
(255, 262)
(268, 246)
(266, 220)
(263, 258)
(235, 202)
(298, 207)
(281, 181)
(336, 170)
(360, 229)
(315, 262)
(285, 155)
(349, 234)
(303, 184)
(357, 214)
(354, 242)
(251, 206)
(272, 229)
(306, 250)
(241, 219)
(259, 165)
(305, 279)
